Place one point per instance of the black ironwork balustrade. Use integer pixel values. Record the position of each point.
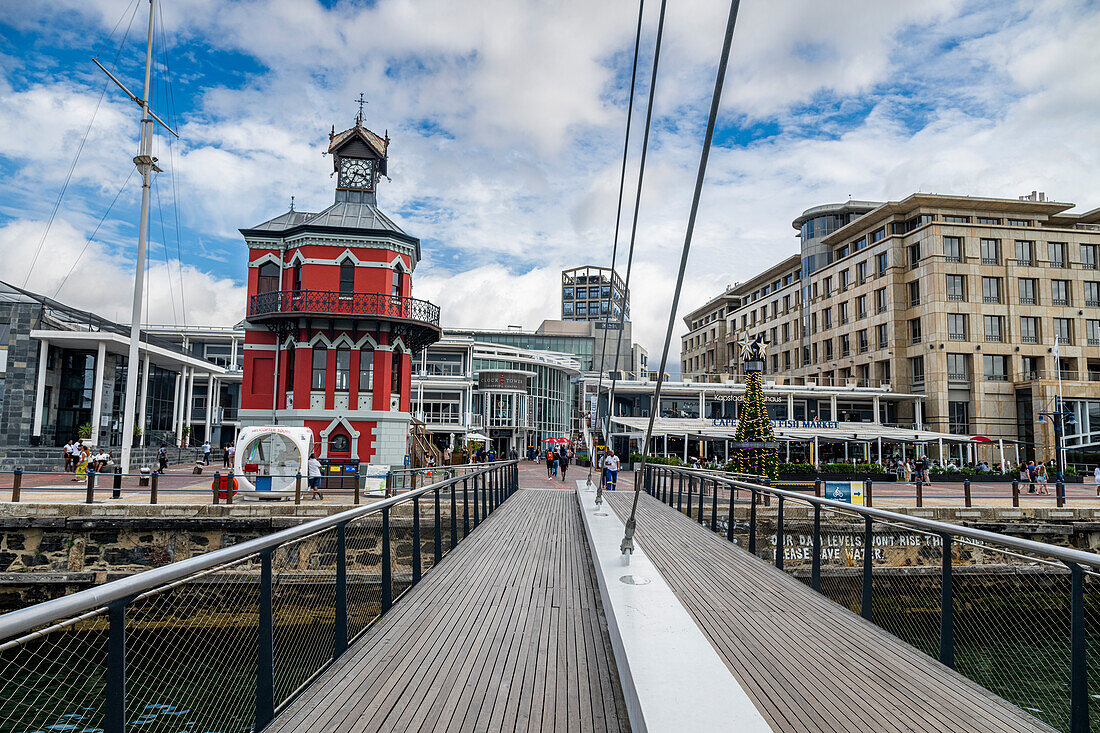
(331, 302)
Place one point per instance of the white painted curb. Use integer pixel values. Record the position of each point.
(672, 678)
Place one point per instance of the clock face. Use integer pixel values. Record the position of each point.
(356, 173)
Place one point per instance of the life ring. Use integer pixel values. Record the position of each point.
(219, 485)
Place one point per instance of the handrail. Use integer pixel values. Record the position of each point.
(26, 619)
(1064, 554)
(335, 302)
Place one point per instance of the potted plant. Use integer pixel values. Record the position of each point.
(84, 432)
(186, 434)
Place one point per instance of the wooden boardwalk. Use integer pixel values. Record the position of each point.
(507, 634)
(807, 663)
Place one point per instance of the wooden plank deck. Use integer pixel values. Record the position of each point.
(807, 663)
(507, 634)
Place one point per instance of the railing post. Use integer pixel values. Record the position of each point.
(387, 569)
(680, 494)
(297, 488)
(1015, 492)
(479, 480)
(438, 531)
(340, 627)
(920, 492)
(114, 692)
(16, 483)
(416, 550)
(265, 652)
(714, 508)
(966, 492)
(947, 607)
(779, 538)
(229, 487)
(1078, 679)
(217, 486)
(817, 487)
(356, 500)
(454, 517)
(465, 510)
(116, 483)
(752, 522)
(477, 519)
(732, 518)
(1060, 492)
(815, 563)
(90, 497)
(691, 489)
(153, 481)
(868, 492)
(868, 556)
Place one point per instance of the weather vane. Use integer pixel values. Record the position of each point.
(361, 101)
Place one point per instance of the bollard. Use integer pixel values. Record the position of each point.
(817, 487)
(153, 487)
(16, 483)
(298, 488)
(920, 492)
(116, 487)
(868, 488)
(91, 486)
(966, 492)
(357, 493)
(1016, 492)
(1060, 492)
(217, 486)
(229, 488)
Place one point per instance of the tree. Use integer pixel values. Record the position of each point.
(755, 426)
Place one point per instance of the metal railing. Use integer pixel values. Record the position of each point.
(332, 302)
(225, 640)
(1012, 614)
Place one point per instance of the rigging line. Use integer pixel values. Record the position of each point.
(618, 214)
(76, 159)
(637, 208)
(94, 232)
(175, 157)
(715, 102)
(164, 245)
(117, 24)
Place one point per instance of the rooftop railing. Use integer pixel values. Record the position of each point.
(331, 302)
(224, 640)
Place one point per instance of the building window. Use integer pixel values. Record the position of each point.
(861, 306)
(952, 249)
(1092, 294)
(993, 330)
(339, 443)
(347, 278)
(1063, 330)
(995, 367)
(956, 326)
(827, 318)
(914, 255)
(268, 278)
(882, 335)
(991, 290)
(914, 293)
(845, 278)
(916, 369)
(1027, 291)
(1092, 330)
(298, 276)
(343, 370)
(395, 285)
(1088, 256)
(914, 331)
(986, 221)
(1029, 367)
(958, 417)
(320, 364)
(827, 286)
(880, 300)
(956, 287)
(991, 251)
(880, 263)
(843, 313)
(957, 369)
(859, 244)
(395, 374)
(292, 357)
(878, 235)
(1025, 253)
(1057, 254)
(828, 345)
(861, 272)
(1029, 330)
(1059, 292)
(1019, 222)
(956, 219)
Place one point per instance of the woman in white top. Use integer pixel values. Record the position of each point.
(1042, 478)
(1096, 476)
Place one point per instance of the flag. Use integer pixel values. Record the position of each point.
(1055, 347)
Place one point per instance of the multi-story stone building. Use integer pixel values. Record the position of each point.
(703, 350)
(986, 306)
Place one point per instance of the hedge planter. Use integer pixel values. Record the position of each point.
(811, 477)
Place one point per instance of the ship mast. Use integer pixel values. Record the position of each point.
(146, 165)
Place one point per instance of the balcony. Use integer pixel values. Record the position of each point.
(952, 258)
(956, 337)
(955, 297)
(1027, 301)
(958, 377)
(1060, 301)
(994, 338)
(881, 309)
(1025, 262)
(991, 299)
(1029, 339)
(416, 321)
(996, 377)
(1094, 341)
(990, 261)
(1093, 303)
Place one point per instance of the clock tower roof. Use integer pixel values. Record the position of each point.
(344, 142)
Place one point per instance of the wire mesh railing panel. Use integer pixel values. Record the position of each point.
(842, 558)
(364, 550)
(1092, 645)
(56, 680)
(303, 609)
(907, 585)
(1012, 629)
(401, 548)
(191, 653)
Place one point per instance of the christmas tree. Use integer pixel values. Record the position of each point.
(754, 425)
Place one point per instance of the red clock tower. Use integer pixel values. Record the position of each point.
(331, 324)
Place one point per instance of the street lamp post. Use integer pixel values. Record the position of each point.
(1058, 420)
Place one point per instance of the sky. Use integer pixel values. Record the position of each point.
(506, 121)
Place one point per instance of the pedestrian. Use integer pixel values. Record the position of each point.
(313, 473)
(225, 456)
(206, 450)
(1032, 473)
(231, 452)
(68, 450)
(563, 458)
(162, 458)
(907, 467)
(611, 469)
(1042, 478)
(1096, 477)
(447, 454)
(549, 463)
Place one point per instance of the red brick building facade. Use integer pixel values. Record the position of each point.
(331, 325)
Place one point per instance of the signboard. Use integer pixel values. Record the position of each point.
(609, 326)
(850, 492)
(729, 397)
(746, 445)
(501, 380)
(728, 422)
(406, 460)
(500, 433)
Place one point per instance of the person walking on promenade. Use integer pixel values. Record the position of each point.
(611, 469)
(206, 452)
(1032, 473)
(313, 474)
(564, 460)
(1042, 478)
(549, 462)
(1096, 477)
(231, 455)
(162, 458)
(68, 449)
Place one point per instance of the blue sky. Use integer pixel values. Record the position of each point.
(507, 120)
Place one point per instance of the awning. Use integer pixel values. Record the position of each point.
(788, 430)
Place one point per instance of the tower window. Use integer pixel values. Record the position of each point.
(347, 278)
(396, 288)
(320, 364)
(268, 281)
(343, 370)
(366, 370)
(395, 374)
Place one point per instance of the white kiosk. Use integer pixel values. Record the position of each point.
(268, 458)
